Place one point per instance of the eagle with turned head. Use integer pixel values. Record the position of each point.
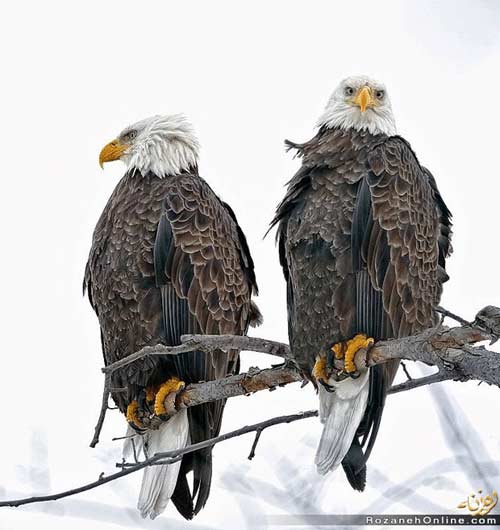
(363, 237)
(168, 258)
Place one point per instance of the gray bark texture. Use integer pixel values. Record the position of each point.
(451, 350)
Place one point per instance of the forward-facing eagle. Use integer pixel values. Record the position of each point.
(168, 258)
(363, 237)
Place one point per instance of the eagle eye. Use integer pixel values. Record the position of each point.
(128, 136)
(348, 91)
(379, 94)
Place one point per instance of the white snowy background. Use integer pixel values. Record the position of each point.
(248, 75)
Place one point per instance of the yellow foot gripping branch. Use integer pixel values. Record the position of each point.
(347, 350)
(320, 370)
(132, 415)
(165, 397)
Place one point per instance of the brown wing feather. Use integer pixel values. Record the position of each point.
(405, 209)
(208, 260)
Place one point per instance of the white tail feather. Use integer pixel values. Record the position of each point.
(341, 413)
(158, 482)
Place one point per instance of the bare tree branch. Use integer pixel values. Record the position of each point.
(207, 344)
(415, 383)
(254, 380)
(451, 350)
(165, 458)
(446, 348)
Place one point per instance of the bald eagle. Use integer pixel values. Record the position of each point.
(167, 259)
(363, 236)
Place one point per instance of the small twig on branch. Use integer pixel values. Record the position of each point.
(165, 458)
(451, 315)
(415, 383)
(104, 408)
(254, 445)
(405, 370)
(126, 437)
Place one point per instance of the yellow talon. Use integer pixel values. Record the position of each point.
(348, 350)
(173, 385)
(132, 416)
(320, 369)
(338, 350)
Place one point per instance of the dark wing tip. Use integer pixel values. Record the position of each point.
(182, 498)
(272, 224)
(351, 464)
(256, 318)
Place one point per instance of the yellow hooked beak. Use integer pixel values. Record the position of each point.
(112, 151)
(364, 99)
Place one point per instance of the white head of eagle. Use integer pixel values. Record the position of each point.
(359, 103)
(163, 145)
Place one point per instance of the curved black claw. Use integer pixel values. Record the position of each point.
(136, 428)
(326, 386)
(330, 359)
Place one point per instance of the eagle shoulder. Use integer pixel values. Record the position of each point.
(407, 237)
(201, 251)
